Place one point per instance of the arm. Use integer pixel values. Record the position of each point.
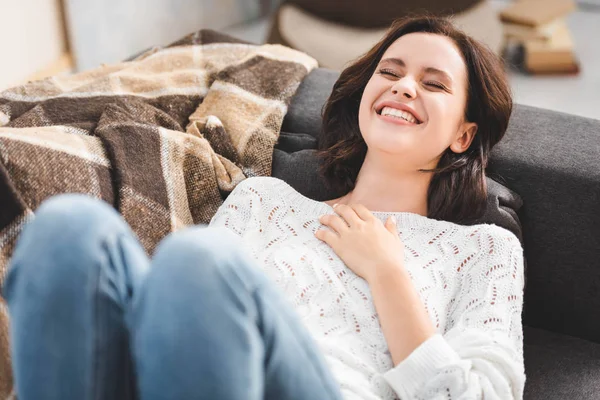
(480, 355)
(394, 295)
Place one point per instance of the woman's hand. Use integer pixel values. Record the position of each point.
(374, 252)
(365, 244)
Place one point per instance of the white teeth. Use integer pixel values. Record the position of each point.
(399, 114)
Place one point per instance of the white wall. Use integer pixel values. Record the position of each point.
(108, 31)
(32, 38)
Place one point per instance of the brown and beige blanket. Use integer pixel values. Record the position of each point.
(164, 138)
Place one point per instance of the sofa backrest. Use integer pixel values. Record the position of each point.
(552, 160)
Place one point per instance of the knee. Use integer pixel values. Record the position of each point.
(75, 209)
(201, 243)
(70, 219)
(64, 238)
(202, 257)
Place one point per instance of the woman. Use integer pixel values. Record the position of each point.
(384, 295)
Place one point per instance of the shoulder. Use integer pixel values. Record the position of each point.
(483, 234)
(265, 189)
(495, 240)
(500, 250)
(501, 236)
(482, 244)
(260, 183)
(474, 233)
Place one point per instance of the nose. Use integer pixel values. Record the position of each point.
(406, 87)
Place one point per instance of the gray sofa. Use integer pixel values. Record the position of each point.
(552, 160)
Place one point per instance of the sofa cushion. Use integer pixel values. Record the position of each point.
(304, 112)
(380, 13)
(560, 366)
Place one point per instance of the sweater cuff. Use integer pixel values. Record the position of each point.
(421, 365)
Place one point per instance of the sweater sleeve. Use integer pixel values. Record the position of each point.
(241, 210)
(481, 354)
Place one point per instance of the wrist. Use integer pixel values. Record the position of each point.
(388, 271)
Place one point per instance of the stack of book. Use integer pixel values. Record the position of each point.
(540, 26)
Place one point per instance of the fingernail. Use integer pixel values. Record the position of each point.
(335, 205)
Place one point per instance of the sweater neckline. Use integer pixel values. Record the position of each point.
(317, 208)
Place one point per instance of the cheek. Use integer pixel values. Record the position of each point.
(444, 118)
(373, 91)
(450, 110)
(443, 115)
(367, 99)
(364, 111)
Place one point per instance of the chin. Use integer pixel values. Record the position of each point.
(385, 145)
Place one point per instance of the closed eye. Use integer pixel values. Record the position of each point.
(436, 84)
(388, 72)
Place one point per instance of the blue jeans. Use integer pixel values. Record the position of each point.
(93, 318)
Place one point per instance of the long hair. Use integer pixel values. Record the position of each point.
(457, 190)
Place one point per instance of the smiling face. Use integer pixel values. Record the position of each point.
(413, 106)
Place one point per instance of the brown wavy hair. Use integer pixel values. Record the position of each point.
(457, 191)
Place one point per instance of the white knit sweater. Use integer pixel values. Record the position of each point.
(470, 279)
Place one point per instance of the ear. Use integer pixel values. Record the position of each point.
(464, 137)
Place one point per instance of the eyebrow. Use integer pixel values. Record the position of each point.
(429, 70)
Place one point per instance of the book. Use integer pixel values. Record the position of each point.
(556, 55)
(566, 69)
(524, 32)
(536, 12)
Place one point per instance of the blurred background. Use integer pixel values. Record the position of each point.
(550, 47)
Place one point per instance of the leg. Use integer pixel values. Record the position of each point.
(71, 277)
(208, 324)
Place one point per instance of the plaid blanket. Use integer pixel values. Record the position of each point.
(164, 138)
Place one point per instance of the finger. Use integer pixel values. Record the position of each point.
(334, 221)
(362, 212)
(347, 213)
(326, 236)
(390, 224)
